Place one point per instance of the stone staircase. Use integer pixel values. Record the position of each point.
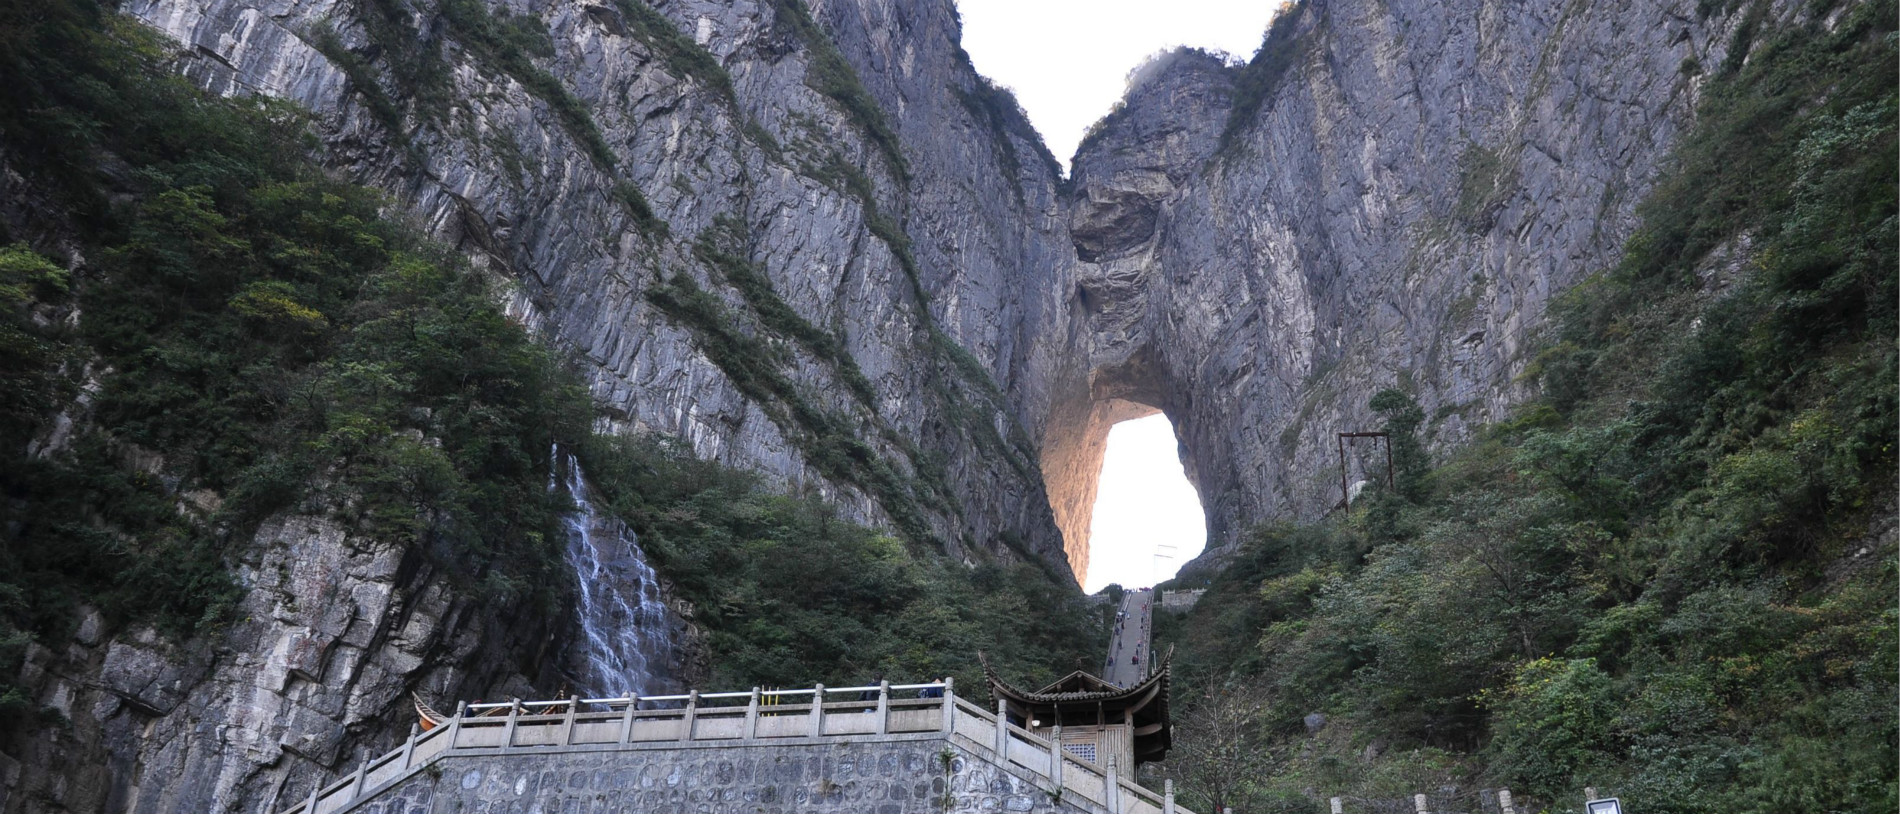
(915, 748)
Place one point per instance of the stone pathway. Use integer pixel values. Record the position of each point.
(1129, 652)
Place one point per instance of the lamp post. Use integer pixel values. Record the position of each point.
(1155, 575)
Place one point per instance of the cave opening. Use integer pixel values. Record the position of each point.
(1147, 520)
(1122, 497)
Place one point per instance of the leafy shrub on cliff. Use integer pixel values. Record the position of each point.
(1280, 49)
(258, 333)
(1660, 579)
(30, 349)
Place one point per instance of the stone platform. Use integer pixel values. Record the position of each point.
(919, 755)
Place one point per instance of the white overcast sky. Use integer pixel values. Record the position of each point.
(1068, 62)
(1067, 59)
(1144, 503)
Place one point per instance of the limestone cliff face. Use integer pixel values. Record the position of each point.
(878, 213)
(1398, 193)
(1391, 197)
(661, 188)
(333, 632)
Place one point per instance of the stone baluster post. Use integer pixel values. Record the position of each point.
(567, 724)
(949, 706)
(818, 711)
(356, 780)
(455, 725)
(1055, 756)
(409, 746)
(752, 716)
(626, 718)
(1418, 802)
(692, 710)
(310, 806)
(1167, 796)
(1339, 806)
(1112, 790)
(514, 716)
(883, 707)
(1505, 803)
(1002, 731)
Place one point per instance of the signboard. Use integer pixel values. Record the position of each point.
(1607, 806)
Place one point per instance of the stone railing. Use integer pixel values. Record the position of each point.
(745, 719)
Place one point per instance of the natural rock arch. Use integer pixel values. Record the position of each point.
(1077, 439)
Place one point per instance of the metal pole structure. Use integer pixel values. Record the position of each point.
(1345, 493)
(1391, 477)
(1345, 489)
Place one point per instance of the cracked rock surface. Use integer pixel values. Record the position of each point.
(1408, 194)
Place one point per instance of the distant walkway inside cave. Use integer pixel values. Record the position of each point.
(1130, 650)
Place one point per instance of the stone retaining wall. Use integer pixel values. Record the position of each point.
(892, 775)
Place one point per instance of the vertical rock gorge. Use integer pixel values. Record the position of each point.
(1389, 194)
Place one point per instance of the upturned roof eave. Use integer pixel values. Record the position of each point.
(1014, 693)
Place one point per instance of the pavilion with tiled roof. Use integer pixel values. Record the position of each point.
(1098, 719)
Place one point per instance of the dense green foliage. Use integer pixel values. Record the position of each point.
(252, 334)
(1659, 578)
(789, 594)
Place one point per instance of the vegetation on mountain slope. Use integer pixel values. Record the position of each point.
(245, 336)
(1665, 577)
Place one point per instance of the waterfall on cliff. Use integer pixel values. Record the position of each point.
(618, 602)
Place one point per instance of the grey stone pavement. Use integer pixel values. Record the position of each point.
(1128, 645)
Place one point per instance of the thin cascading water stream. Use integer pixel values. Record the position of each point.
(628, 629)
